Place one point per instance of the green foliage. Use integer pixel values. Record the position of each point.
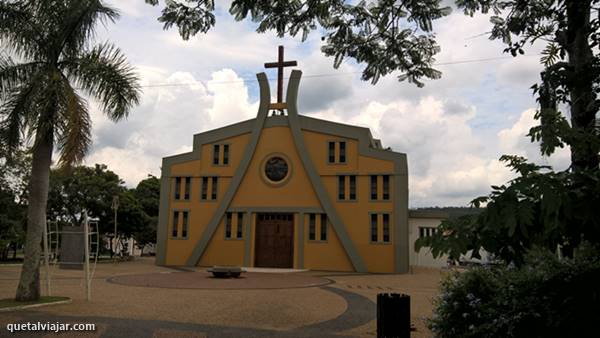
(92, 188)
(546, 297)
(147, 193)
(386, 35)
(46, 49)
(538, 208)
(14, 177)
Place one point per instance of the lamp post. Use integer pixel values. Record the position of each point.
(115, 207)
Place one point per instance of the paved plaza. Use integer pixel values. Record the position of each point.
(141, 299)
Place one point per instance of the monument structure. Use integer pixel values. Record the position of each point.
(285, 190)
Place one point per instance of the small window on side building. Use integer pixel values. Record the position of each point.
(312, 227)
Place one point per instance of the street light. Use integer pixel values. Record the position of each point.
(115, 207)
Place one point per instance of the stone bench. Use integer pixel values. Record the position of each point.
(226, 271)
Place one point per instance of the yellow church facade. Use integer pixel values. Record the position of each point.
(285, 191)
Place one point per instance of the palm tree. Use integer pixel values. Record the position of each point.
(48, 59)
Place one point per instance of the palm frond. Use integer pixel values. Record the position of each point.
(13, 75)
(15, 112)
(73, 127)
(20, 34)
(81, 18)
(105, 74)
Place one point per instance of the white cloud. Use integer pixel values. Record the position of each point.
(166, 120)
(453, 130)
(513, 141)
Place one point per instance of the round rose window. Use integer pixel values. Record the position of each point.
(276, 169)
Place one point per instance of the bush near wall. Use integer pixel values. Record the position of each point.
(546, 297)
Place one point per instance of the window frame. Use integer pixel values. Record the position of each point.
(312, 227)
(228, 226)
(239, 231)
(177, 189)
(380, 226)
(323, 235)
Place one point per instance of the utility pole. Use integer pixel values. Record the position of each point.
(86, 253)
(115, 207)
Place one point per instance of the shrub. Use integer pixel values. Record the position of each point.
(545, 297)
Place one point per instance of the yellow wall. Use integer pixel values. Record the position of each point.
(221, 251)
(355, 214)
(297, 192)
(324, 255)
(255, 191)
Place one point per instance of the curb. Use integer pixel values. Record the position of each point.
(30, 306)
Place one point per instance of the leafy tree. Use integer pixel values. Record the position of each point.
(51, 43)
(92, 189)
(83, 188)
(386, 35)
(542, 207)
(13, 183)
(147, 193)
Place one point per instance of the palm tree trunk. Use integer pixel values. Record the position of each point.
(584, 152)
(29, 284)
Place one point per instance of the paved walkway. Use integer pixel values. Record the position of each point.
(343, 308)
(205, 280)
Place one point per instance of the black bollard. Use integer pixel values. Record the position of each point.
(393, 315)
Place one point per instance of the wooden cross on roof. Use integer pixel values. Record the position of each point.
(280, 64)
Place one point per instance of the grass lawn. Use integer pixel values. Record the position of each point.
(9, 302)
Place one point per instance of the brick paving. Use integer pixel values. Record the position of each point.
(346, 307)
(205, 280)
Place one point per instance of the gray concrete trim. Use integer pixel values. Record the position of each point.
(366, 145)
(335, 220)
(276, 121)
(163, 215)
(265, 99)
(428, 214)
(300, 240)
(260, 209)
(248, 242)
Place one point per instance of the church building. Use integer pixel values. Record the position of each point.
(285, 190)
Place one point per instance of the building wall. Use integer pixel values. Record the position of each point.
(378, 257)
(296, 193)
(423, 257)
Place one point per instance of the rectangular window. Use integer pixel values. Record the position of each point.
(213, 194)
(188, 183)
(426, 231)
(240, 224)
(226, 154)
(177, 188)
(386, 228)
(386, 187)
(228, 225)
(352, 196)
(204, 195)
(331, 152)
(184, 225)
(175, 223)
(373, 187)
(216, 154)
(341, 187)
(342, 152)
(373, 227)
(312, 227)
(323, 227)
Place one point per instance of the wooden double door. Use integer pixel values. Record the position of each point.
(274, 244)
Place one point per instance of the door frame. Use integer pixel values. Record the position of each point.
(293, 236)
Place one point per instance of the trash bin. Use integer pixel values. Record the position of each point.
(393, 315)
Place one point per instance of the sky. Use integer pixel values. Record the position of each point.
(453, 130)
